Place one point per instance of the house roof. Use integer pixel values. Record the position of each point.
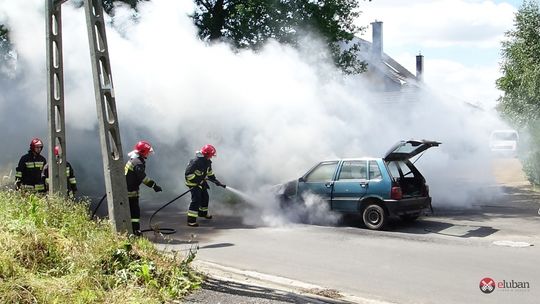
(384, 64)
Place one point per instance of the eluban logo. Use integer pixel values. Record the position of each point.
(487, 285)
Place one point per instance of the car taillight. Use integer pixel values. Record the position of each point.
(395, 193)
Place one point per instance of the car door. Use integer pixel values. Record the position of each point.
(319, 180)
(379, 182)
(350, 185)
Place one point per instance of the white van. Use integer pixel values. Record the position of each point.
(504, 142)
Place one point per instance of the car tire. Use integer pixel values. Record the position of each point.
(409, 218)
(374, 217)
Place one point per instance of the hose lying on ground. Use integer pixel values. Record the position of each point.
(152, 228)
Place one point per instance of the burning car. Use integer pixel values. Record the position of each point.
(375, 188)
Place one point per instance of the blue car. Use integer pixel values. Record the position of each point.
(376, 188)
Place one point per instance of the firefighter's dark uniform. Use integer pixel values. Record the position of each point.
(70, 175)
(197, 171)
(135, 175)
(28, 172)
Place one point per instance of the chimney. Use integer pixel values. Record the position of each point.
(377, 40)
(420, 67)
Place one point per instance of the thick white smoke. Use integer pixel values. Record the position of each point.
(271, 114)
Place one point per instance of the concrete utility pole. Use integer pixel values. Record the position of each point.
(109, 130)
(55, 99)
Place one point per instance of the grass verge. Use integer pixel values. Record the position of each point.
(52, 253)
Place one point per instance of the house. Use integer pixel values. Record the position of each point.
(385, 76)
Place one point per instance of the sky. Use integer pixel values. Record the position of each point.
(271, 114)
(460, 41)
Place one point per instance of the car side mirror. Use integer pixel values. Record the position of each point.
(301, 179)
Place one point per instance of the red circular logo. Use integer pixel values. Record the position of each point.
(487, 285)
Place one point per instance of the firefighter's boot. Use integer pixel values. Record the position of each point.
(192, 221)
(203, 212)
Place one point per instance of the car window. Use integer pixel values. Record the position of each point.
(393, 167)
(399, 169)
(353, 170)
(407, 172)
(374, 170)
(504, 136)
(323, 172)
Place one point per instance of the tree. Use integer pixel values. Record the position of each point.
(108, 5)
(520, 82)
(250, 23)
(5, 45)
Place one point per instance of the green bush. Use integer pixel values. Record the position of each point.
(54, 254)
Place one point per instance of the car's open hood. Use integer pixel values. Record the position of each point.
(406, 149)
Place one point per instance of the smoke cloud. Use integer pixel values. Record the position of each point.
(271, 114)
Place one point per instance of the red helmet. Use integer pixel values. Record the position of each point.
(208, 151)
(36, 142)
(144, 148)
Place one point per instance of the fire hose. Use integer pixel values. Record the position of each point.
(152, 228)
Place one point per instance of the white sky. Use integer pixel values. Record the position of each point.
(460, 41)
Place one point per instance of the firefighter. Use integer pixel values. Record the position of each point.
(70, 175)
(198, 171)
(135, 175)
(28, 171)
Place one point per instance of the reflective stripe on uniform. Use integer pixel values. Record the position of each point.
(147, 181)
(192, 213)
(128, 167)
(39, 165)
(190, 176)
(203, 209)
(39, 187)
(135, 220)
(29, 187)
(199, 173)
(18, 174)
(133, 194)
(209, 172)
(72, 181)
(191, 184)
(30, 165)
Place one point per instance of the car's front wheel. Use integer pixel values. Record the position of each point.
(374, 217)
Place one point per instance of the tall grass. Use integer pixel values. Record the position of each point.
(52, 253)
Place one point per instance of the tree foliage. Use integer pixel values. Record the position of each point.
(250, 23)
(520, 82)
(521, 67)
(108, 5)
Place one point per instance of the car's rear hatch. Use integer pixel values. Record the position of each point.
(404, 150)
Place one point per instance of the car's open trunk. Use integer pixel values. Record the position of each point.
(407, 176)
(411, 186)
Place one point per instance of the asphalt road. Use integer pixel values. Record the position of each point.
(438, 259)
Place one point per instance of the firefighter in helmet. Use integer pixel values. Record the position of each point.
(198, 170)
(135, 175)
(70, 174)
(28, 171)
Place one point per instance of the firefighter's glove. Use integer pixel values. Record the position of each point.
(157, 188)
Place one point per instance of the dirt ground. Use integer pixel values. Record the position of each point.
(509, 171)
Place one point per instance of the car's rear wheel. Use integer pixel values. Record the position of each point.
(374, 217)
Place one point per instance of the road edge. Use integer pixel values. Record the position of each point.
(300, 289)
